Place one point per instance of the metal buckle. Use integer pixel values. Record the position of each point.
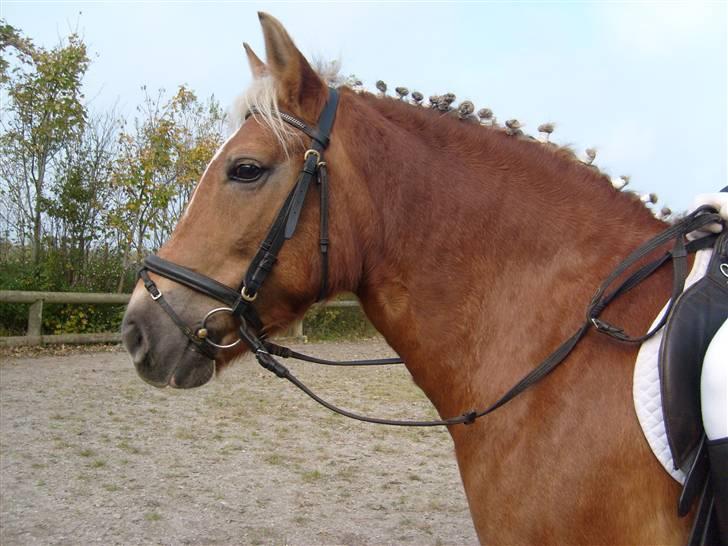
(246, 296)
(156, 296)
(202, 332)
(724, 269)
(311, 151)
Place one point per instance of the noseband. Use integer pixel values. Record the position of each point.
(239, 303)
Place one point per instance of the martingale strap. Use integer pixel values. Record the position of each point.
(696, 220)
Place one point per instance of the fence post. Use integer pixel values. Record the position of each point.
(298, 329)
(35, 318)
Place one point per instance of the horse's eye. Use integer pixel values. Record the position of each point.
(246, 172)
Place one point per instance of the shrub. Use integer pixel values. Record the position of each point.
(324, 323)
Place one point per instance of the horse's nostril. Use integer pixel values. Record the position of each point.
(134, 340)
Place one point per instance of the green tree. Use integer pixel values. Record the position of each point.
(12, 41)
(160, 160)
(80, 194)
(44, 111)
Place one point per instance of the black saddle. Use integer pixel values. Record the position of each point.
(697, 315)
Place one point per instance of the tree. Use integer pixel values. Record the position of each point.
(44, 111)
(81, 191)
(10, 37)
(158, 165)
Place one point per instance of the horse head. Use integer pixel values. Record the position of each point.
(228, 216)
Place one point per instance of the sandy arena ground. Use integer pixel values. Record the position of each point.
(89, 453)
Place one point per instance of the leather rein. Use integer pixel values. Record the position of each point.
(239, 303)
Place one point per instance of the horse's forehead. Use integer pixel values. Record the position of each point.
(251, 138)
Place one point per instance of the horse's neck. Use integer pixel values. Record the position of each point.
(483, 260)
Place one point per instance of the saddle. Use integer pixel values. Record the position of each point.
(696, 316)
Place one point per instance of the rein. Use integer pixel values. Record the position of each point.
(238, 303)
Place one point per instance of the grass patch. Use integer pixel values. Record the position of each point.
(184, 434)
(274, 459)
(87, 452)
(381, 448)
(97, 463)
(152, 516)
(126, 446)
(312, 476)
(347, 473)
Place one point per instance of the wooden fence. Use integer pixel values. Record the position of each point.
(34, 335)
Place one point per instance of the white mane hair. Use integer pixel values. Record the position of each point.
(262, 97)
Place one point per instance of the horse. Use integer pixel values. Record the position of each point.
(473, 251)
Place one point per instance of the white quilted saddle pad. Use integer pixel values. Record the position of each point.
(646, 386)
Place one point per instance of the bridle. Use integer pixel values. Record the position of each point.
(239, 303)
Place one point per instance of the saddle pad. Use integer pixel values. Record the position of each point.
(646, 384)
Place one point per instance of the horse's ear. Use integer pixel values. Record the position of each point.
(257, 67)
(299, 87)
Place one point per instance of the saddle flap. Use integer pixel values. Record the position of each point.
(694, 320)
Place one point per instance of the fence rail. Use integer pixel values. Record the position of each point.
(34, 335)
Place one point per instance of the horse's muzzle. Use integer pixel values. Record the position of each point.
(182, 366)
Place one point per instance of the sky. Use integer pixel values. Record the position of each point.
(642, 82)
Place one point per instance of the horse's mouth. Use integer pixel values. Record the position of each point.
(191, 376)
(193, 370)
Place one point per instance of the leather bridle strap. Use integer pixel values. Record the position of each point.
(285, 352)
(323, 182)
(284, 226)
(157, 296)
(191, 279)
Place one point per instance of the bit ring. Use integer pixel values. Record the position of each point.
(203, 328)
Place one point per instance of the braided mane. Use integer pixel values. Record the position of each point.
(262, 97)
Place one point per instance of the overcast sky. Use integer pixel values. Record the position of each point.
(643, 82)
